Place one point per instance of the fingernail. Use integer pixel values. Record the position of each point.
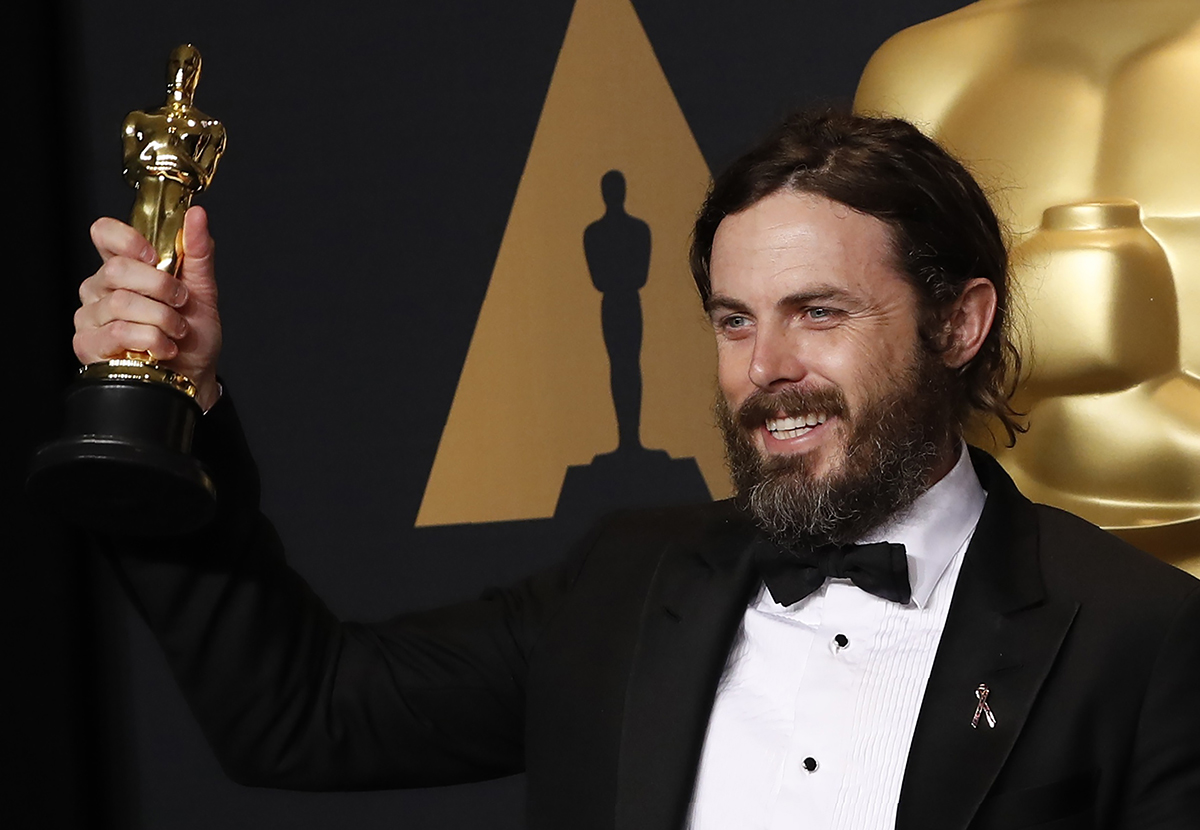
(149, 256)
(181, 294)
(183, 328)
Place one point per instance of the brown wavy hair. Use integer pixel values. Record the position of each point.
(944, 231)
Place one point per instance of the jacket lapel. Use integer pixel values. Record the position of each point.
(1001, 631)
(693, 611)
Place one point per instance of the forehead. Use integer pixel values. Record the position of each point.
(791, 242)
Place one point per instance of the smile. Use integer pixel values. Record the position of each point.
(793, 427)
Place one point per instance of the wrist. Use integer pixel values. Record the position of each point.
(208, 392)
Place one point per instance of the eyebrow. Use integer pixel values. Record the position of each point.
(722, 302)
(819, 294)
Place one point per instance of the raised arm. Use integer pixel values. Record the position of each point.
(287, 694)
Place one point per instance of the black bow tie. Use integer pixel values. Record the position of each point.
(791, 575)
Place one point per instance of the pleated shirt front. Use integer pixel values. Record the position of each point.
(816, 710)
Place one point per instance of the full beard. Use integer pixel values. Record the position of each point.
(894, 444)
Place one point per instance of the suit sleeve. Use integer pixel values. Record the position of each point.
(1164, 785)
(288, 695)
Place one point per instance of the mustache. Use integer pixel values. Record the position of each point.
(762, 404)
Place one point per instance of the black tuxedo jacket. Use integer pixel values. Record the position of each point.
(597, 678)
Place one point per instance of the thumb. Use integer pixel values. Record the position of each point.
(196, 266)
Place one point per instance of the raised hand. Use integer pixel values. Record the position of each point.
(128, 304)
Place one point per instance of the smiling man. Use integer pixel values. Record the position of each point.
(847, 368)
(878, 631)
(841, 415)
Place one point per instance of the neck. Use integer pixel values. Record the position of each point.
(946, 461)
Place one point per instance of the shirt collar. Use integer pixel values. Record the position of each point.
(936, 527)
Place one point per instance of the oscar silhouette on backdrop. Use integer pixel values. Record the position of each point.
(617, 248)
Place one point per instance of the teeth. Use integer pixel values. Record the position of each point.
(794, 426)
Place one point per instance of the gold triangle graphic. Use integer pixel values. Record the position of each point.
(534, 393)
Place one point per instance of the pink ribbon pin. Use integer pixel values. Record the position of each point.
(981, 694)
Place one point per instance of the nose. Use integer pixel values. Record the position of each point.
(776, 360)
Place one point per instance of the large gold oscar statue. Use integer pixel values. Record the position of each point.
(1082, 118)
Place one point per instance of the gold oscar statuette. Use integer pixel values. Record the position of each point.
(123, 465)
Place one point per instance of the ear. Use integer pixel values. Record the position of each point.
(968, 322)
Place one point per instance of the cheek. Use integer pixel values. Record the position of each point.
(874, 365)
(733, 372)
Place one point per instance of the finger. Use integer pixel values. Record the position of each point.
(106, 342)
(196, 268)
(113, 238)
(123, 273)
(134, 308)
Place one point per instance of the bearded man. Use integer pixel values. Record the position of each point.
(878, 631)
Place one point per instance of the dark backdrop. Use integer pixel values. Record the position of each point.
(367, 140)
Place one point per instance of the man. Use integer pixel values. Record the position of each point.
(982, 662)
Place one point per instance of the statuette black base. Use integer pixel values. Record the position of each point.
(123, 466)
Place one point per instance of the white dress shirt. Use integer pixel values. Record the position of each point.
(816, 709)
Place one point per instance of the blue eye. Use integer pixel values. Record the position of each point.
(733, 324)
(822, 314)
(733, 321)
